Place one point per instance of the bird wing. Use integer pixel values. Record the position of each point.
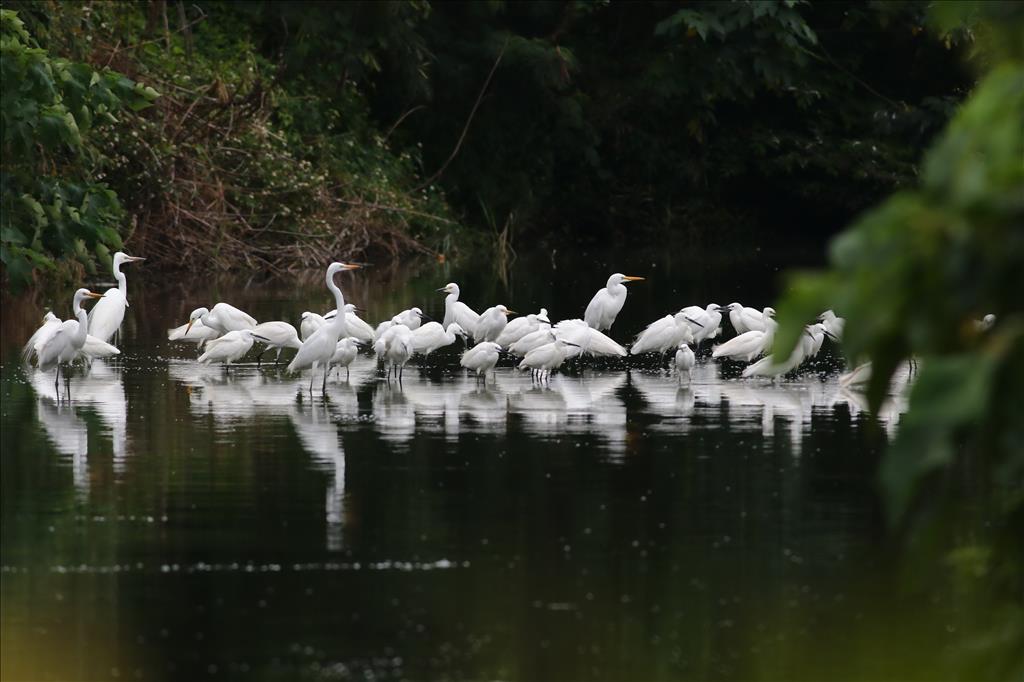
(95, 348)
(359, 329)
(232, 318)
(48, 329)
(655, 336)
(596, 310)
(464, 315)
(48, 352)
(106, 316)
(601, 344)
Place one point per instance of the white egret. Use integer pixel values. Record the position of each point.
(412, 318)
(521, 326)
(357, 327)
(748, 345)
(66, 340)
(706, 322)
(545, 358)
(745, 319)
(385, 331)
(223, 318)
(481, 358)
(311, 322)
(50, 324)
(585, 339)
(768, 367)
(106, 316)
(664, 334)
(345, 353)
(276, 334)
(432, 336)
(457, 311)
(607, 302)
(229, 347)
(94, 349)
(685, 360)
(834, 325)
(491, 323)
(193, 332)
(542, 336)
(398, 348)
(319, 348)
(818, 333)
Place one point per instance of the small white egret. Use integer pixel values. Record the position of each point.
(457, 311)
(607, 302)
(345, 353)
(193, 332)
(223, 318)
(432, 336)
(833, 324)
(106, 316)
(318, 349)
(310, 322)
(685, 360)
(491, 323)
(583, 338)
(768, 367)
(545, 358)
(521, 326)
(664, 334)
(398, 350)
(707, 322)
(384, 333)
(542, 336)
(229, 347)
(412, 318)
(358, 328)
(481, 358)
(276, 334)
(748, 345)
(66, 340)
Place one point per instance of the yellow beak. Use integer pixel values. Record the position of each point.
(511, 312)
(188, 327)
(631, 278)
(92, 295)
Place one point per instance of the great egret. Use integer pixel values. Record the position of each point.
(491, 323)
(481, 358)
(685, 360)
(583, 338)
(664, 334)
(345, 353)
(835, 325)
(748, 345)
(319, 348)
(229, 347)
(223, 318)
(607, 302)
(91, 350)
(193, 332)
(542, 336)
(545, 358)
(279, 335)
(432, 336)
(457, 311)
(50, 324)
(521, 326)
(66, 340)
(106, 316)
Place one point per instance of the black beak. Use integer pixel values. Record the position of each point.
(261, 338)
(428, 318)
(570, 343)
(695, 322)
(722, 309)
(830, 335)
(544, 320)
(443, 290)
(361, 344)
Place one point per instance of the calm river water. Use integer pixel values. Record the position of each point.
(179, 522)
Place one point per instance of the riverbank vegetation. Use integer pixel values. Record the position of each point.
(268, 135)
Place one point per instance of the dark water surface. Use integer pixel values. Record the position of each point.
(179, 522)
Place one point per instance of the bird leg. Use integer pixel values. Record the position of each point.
(260, 356)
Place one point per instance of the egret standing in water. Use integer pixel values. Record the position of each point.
(319, 348)
(491, 323)
(457, 311)
(607, 302)
(432, 336)
(546, 358)
(67, 339)
(685, 360)
(276, 334)
(521, 326)
(223, 318)
(106, 316)
(481, 358)
(230, 347)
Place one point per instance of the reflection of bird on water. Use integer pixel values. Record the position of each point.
(69, 434)
(319, 437)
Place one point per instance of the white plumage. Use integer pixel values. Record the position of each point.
(223, 318)
(768, 367)
(277, 334)
(491, 323)
(310, 322)
(193, 332)
(521, 326)
(358, 328)
(67, 338)
(50, 324)
(584, 339)
(228, 348)
(457, 311)
(604, 307)
(106, 316)
(705, 323)
(432, 336)
(482, 357)
(545, 358)
(317, 350)
(345, 353)
(663, 335)
(542, 336)
(747, 345)
(684, 360)
(395, 347)
(834, 325)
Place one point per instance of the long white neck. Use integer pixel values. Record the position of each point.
(78, 340)
(338, 321)
(616, 289)
(122, 281)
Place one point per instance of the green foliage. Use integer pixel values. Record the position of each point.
(51, 206)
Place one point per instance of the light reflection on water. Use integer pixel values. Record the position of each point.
(174, 519)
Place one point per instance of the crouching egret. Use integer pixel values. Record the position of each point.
(395, 347)
(432, 336)
(706, 322)
(193, 332)
(358, 328)
(319, 348)
(66, 340)
(481, 358)
(491, 323)
(768, 367)
(521, 326)
(545, 358)
(457, 311)
(748, 345)
(345, 353)
(223, 318)
(685, 360)
(664, 334)
(604, 307)
(542, 336)
(582, 338)
(230, 347)
(276, 334)
(106, 316)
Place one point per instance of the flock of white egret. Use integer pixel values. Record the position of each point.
(224, 334)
